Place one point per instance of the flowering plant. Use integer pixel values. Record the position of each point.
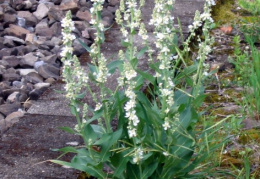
(154, 136)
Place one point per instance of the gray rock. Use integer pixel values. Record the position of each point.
(34, 78)
(50, 80)
(10, 120)
(36, 93)
(16, 40)
(24, 72)
(56, 29)
(48, 71)
(17, 84)
(27, 104)
(42, 29)
(5, 52)
(56, 13)
(41, 12)
(28, 60)
(30, 38)
(69, 5)
(17, 31)
(84, 15)
(11, 77)
(7, 109)
(8, 43)
(12, 61)
(1, 13)
(14, 97)
(30, 19)
(114, 2)
(40, 86)
(9, 19)
(56, 41)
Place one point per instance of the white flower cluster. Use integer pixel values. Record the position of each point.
(133, 120)
(73, 74)
(138, 155)
(96, 7)
(102, 74)
(131, 18)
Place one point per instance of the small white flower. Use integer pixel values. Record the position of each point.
(98, 106)
(166, 154)
(166, 125)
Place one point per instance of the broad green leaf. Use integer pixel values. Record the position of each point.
(113, 65)
(67, 129)
(81, 96)
(68, 149)
(132, 171)
(106, 147)
(89, 134)
(119, 161)
(134, 62)
(149, 170)
(199, 100)
(125, 44)
(147, 76)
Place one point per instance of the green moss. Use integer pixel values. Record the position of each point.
(222, 13)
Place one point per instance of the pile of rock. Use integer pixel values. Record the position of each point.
(30, 45)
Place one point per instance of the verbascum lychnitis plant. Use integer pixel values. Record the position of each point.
(153, 137)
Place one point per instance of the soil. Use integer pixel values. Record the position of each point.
(26, 147)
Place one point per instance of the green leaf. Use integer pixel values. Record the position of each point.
(96, 115)
(132, 171)
(73, 110)
(89, 134)
(68, 149)
(141, 52)
(113, 65)
(199, 100)
(105, 147)
(149, 170)
(67, 129)
(84, 45)
(81, 96)
(125, 44)
(134, 62)
(119, 161)
(147, 76)
(185, 117)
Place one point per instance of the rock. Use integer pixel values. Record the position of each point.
(41, 12)
(5, 52)
(30, 38)
(114, 2)
(42, 29)
(17, 4)
(28, 60)
(48, 71)
(16, 40)
(56, 29)
(12, 61)
(8, 43)
(35, 94)
(7, 109)
(27, 104)
(56, 41)
(14, 97)
(30, 19)
(17, 31)
(84, 15)
(85, 34)
(56, 13)
(11, 77)
(50, 80)
(17, 84)
(9, 19)
(10, 120)
(1, 101)
(69, 5)
(41, 86)
(1, 13)
(81, 25)
(34, 78)
(112, 8)
(51, 60)
(24, 72)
